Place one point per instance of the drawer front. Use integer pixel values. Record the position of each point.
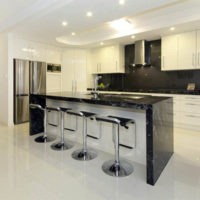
(177, 118)
(190, 106)
(191, 119)
(191, 98)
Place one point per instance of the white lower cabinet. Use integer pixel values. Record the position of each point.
(190, 119)
(186, 110)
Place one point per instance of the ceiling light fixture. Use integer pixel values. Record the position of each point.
(121, 2)
(101, 43)
(89, 14)
(73, 33)
(122, 25)
(64, 23)
(133, 36)
(172, 28)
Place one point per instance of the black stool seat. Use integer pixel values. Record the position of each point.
(88, 114)
(108, 119)
(36, 106)
(123, 121)
(64, 109)
(81, 113)
(52, 108)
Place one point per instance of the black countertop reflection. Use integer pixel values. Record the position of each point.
(122, 100)
(161, 91)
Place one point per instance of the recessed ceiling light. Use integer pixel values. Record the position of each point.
(172, 28)
(73, 33)
(121, 2)
(89, 14)
(101, 43)
(122, 25)
(64, 23)
(133, 36)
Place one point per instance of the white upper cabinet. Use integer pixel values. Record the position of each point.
(108, 60)
(198, 50)
(170, 52)
(187, 50)
(179, 52)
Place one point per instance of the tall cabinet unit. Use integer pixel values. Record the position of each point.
(74, 70)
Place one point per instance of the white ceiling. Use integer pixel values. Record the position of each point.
(40, 20)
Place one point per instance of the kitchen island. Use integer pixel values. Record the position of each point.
(153, 117)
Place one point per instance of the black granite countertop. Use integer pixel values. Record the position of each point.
(122, 100)
(162, 91)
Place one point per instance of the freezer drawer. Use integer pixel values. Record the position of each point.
(21, 109)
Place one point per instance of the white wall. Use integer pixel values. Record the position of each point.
(4, 78)
(12, 47)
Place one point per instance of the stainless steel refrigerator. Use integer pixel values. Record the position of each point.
(29, 77)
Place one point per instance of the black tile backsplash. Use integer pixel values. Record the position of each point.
(149, 77)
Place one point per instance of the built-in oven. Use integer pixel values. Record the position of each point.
(54, 68)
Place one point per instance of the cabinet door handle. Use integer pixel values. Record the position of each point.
(192, 104)
(198, 58)
(163, 62)
(75, 86)
(72, 86)
(192, 98)
(97, 67)
(116, 66)
(193, 62)
(193, 116)
(100, 67)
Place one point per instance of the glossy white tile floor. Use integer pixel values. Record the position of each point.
(31, 171)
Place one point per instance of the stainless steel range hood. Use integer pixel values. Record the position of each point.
(142, 52)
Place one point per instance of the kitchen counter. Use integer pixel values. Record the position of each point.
(122, 100)
(153, 117)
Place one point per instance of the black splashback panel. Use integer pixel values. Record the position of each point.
(150, 78)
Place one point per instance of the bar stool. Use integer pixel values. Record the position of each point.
(83, 154)
(62, 145)
(116, 167)
(44, 138)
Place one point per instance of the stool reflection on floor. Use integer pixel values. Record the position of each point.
(62, 145)
(83, 154)
(44, 138)
(116, 167)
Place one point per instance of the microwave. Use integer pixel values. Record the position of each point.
(54, 68)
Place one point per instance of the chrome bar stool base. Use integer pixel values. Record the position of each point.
(44, 139)
(118, 170)
(82, 155)
(59, 146)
